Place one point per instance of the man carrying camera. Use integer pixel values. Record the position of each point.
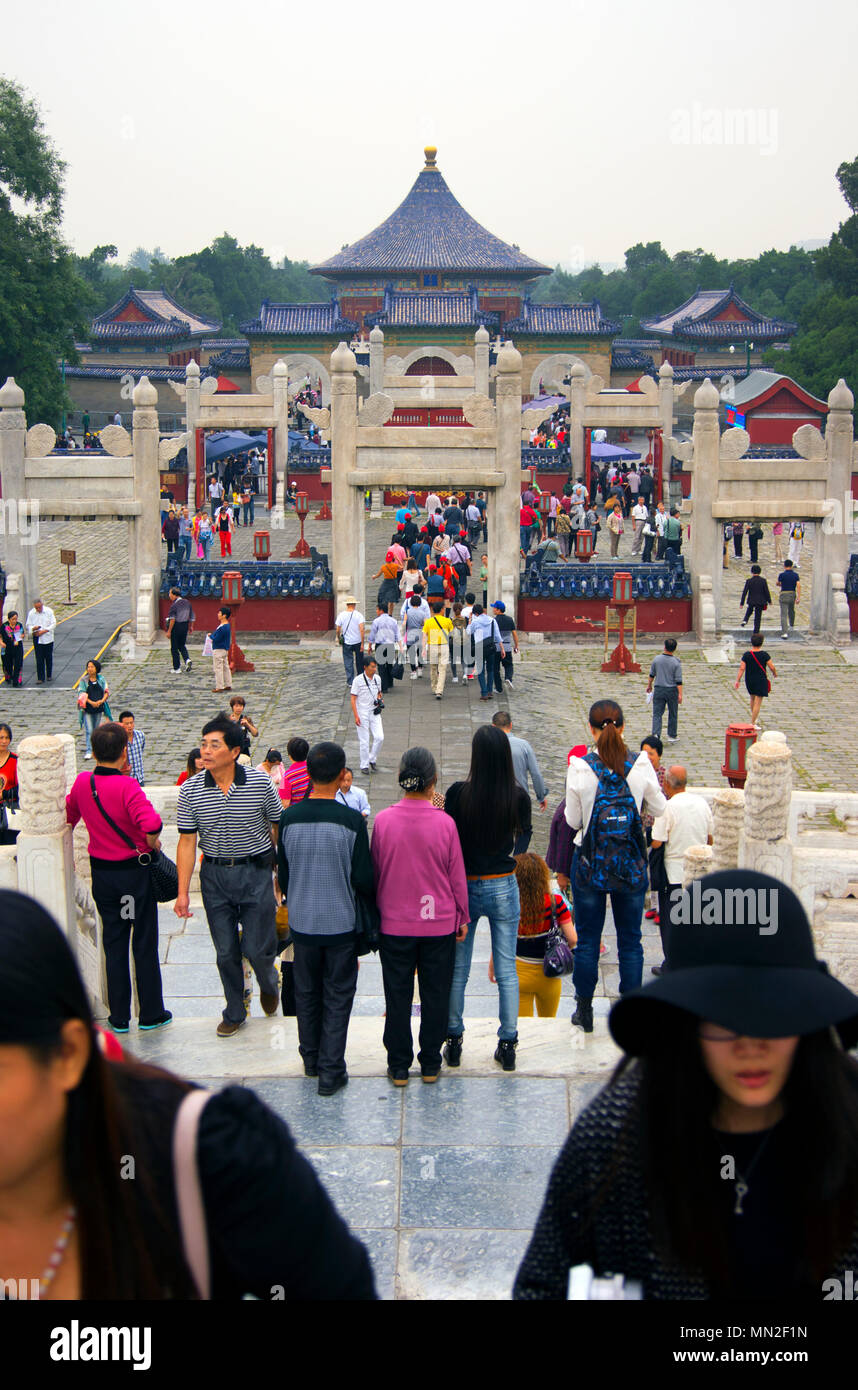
(367, 705)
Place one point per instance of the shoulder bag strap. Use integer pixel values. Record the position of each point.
(189, 1195)
(757, 660)
(110, 821)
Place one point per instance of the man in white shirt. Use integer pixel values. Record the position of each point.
(215, 494)
(639, 516)
(685, 821)
(350, 630)
(660, 525)
(433, 504)
(365, 691)
(355, 797)
(40, 625)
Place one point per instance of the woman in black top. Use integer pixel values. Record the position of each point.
(68, 1121)
(489, 809)
(721, 1161)
(755, 666)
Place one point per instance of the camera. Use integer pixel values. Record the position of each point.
(378, 706)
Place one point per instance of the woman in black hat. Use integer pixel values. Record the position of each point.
(721, 1161)
(73, 1227)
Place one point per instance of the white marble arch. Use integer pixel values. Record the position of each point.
(553, 369)
(301, 364)
(462, 365)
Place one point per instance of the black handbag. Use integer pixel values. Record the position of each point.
(657, 873)
(163, 873)
(397, 670)
(367, 925)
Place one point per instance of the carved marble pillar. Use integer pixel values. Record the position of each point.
(22, 567)
(697, 862)
(504, 540)
(728, 813)
(665, 410)
(481, 362)
(831, 548)
(706, 546)
(280, 392)
(147, 525)
(376, 361)
(577, 393)
(347, 528)
(45, 865)
(765, 844)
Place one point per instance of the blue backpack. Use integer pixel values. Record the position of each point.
(612, 857)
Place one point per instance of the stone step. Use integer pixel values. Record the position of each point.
(269, 1047)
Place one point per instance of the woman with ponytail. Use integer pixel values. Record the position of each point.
(72, 1226)
(604, 793)
(422, 897)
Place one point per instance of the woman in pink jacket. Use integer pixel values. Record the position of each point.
(422, 897)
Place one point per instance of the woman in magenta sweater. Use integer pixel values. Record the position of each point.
(422, 896)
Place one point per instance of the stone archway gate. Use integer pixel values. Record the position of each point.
(815, 487)
(591, 406)
(485, 453)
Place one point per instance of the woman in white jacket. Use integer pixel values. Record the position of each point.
(604, 794)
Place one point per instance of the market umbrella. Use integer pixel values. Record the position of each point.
(611, 451)
(225, 442)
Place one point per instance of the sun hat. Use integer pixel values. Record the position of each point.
(740, 954)
(350, 598)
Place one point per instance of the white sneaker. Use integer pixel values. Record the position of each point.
(671, 740)
(414, 675)
(455, 680)
(784, 636)
(87, 757)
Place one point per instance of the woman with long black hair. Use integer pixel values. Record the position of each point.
(69, 1122)
(721, 1160)
(489, 809)
(605, 791)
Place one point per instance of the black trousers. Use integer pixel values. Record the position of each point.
(178, 643)
(737, 545)
(433, 957)
(753, 543)
(13, 660)
(325, 983)
(664, 915)
(503, 661)
(44, 653)
(757, 610)
(385, 671)
(126, 905)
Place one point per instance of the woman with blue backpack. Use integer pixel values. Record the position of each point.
(604, 793)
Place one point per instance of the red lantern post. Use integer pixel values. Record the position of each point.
(621, 660)
(261, 545)
(737, 741)
(583, 545)
(232, 598)
(302, 506)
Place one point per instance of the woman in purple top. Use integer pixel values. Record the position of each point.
(422, 897)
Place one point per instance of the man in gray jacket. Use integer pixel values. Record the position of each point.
(523, 764)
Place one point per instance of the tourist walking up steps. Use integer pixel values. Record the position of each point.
(685, 821)
(740, 1049)
(789, 584)
(755, 667)
(488, 808)
(180, 619)
(78, 1117)
(221, 641)
(234, 812)
(540, 911)
(367, 705)
(605, 791)
(40, 625)
(324, 869)
(350, 635)
(122, 825)
(524, 765)
(436, 648)
(423, 903)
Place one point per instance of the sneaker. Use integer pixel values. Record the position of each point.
(510, 684)
(671, 739)
(175, 670)
(784, 636)
(429, 1077)
(505, 1053)
(657, 969)
(453, 1050)
(437, 697)
(87, 757)
(166, 1017)
(399, 1075)
(188, 665)
(117, 1027)
(227, 1030)
(455, 680)
(365, 770)
(414, 675)
(651, 912)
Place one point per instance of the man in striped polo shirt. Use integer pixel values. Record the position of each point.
(235, 812)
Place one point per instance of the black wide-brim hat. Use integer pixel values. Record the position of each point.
(741, 956)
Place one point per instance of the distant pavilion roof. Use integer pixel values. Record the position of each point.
(699, 319)
(632, 361)
(759, 386)
(235, 360)
(149, 314)
(450, 309)
(430, 230)
(100, 371)
(572, 319)
(288, 320)
(223, 344)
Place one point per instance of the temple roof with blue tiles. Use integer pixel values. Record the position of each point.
(236, 360)
(149, 315)
(101, 371)
(717, 315)
(573, 319)
(430, 230)
(632, 362)
(296, 320)
(447, 309)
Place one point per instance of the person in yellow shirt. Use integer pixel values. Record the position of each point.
(436, 648)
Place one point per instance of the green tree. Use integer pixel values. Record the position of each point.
(42, 296)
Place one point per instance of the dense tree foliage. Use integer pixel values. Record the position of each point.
(43, 302)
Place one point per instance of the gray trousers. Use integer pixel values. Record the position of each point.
(665, 697)
(787, 602)
(241, 894)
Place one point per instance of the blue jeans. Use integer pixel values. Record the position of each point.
(91, 722)
(485, 657)
(497, 899)
(524, 534)
(185, 547)
(589, 921)
(248, 512)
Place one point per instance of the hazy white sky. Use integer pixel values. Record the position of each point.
(571, 127)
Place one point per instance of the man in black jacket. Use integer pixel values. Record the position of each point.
(756, 593)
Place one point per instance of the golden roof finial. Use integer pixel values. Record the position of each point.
(430, 152)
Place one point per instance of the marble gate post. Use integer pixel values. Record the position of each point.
(376, 361)
(22, 570)
(44, 848)
(504, 542)
(146, 534)
(481, 361)
(347, 538)
(577, 394)
(831, 557)
(665, 410)
(706, 530)
(280, 392)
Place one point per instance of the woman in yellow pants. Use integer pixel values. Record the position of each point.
(534, 986)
